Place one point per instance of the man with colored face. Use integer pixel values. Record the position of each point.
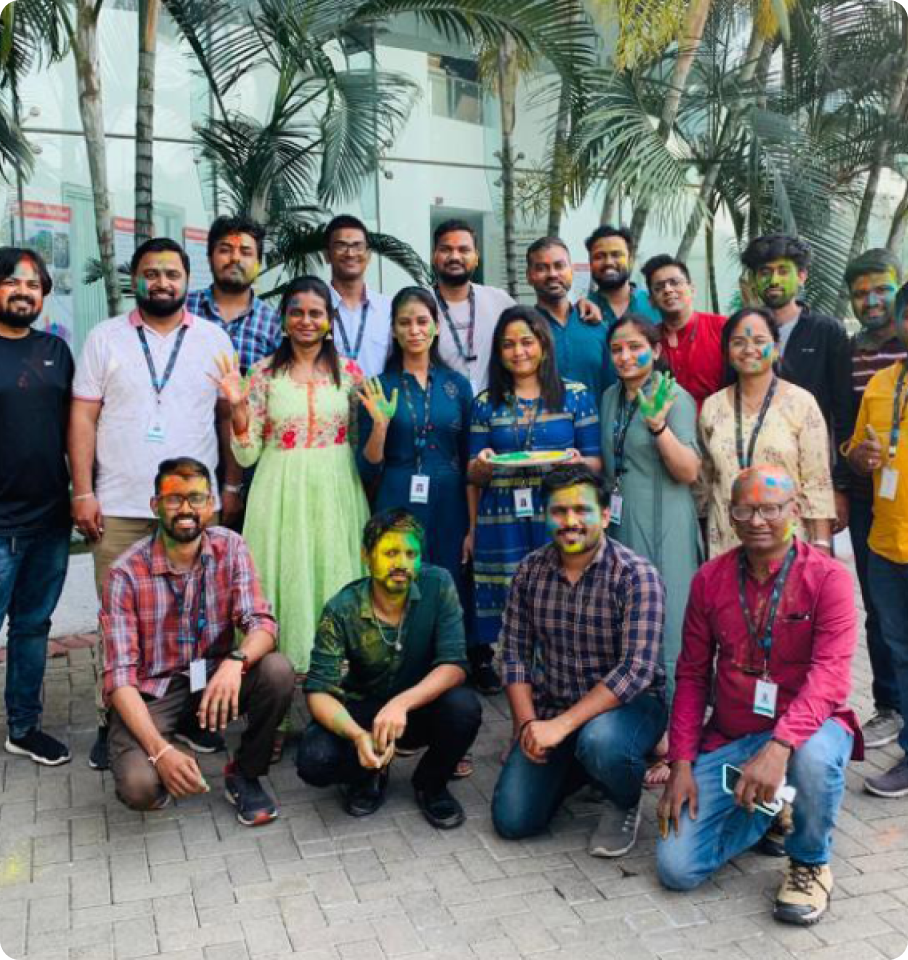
(362, 316)
(387, 670)
(144, 391)
(611, 251)
(873, 280)
(879, 450)
(36, 371)
(771, 628)
(172, 609)
(582, 659)
(691, 339)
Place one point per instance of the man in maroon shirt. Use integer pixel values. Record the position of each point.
(691, 341)
(777, 618)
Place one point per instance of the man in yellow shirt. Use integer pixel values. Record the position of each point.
(879, 447)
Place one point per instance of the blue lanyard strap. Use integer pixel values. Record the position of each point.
(764, 640)
(364, 313)
(622, 425)
(201, 620)
(514, 404)
(898, 411)
(745, 462)
(158, 385)
(468, 355)
(420, 433)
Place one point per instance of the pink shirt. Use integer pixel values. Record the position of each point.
(814, 639)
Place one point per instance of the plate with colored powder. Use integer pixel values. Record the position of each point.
(527, 458)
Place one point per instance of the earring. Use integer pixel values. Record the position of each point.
(328, 336)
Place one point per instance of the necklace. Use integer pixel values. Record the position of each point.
(393, 643)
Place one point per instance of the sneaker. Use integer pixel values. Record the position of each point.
(253, 805)
(804, 895)
(617, 831)
(440, 808)
(197, 739)
(772, 843)
(892, 783)
(486, 680)
(365, 797)
(39, 747)
(882, 728)
(99, 758)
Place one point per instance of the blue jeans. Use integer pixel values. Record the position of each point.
(889, 586)
(32, 571)
(885, 692)
(609, 751)
(722, 829)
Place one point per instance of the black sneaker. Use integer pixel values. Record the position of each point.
(772, 843)
(197, 739)
(365, 797)
(440, 808)
(99, 758)
(253, 805)
(486, 680)
(39, 747)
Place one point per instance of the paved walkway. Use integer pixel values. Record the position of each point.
(83, 878)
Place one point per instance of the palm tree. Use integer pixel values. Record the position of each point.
(149, 11)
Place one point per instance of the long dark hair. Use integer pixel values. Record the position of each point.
(501, 381)
(283, 356)
(401, 299)
(732, 324)
(651, 332)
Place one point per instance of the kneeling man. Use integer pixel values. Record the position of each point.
(771, 626)
(399, 632)
(582, 655)
(171, 607)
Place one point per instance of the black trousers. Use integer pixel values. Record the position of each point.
(447, 726)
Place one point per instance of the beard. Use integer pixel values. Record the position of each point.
(161, 306)
(231, 281)
(875, 323)
(613, 280)
(17, 319)
(455, 279)
(183, 534)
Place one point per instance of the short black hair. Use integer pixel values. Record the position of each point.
(345, 221)
(877, 260)
(660, 262)
(546, 243)
(398, 520)
(186, 467)
(453, 226)
(901, 302)
(11, 257)
(158, 245)
(227, 225)
(607, 230)
(776, 246)
(572, 475)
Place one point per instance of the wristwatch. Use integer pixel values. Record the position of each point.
(241, 657)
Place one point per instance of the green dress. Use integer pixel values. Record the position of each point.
(659, 516)
(306, 509)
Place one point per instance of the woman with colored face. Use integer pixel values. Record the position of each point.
(650, 460)
(527, 409)
(306, 507)
(761, 419)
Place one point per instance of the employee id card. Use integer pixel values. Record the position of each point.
(523, 503)
(615, 506)
(765, 696)
(155, 431)
(419, 488)
(198, 675)
(889, 483)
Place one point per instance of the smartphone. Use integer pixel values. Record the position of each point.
(730, 777)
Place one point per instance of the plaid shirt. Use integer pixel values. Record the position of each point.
(564, 639)
(146, 641)
(255, 334)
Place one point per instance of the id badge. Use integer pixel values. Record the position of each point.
(198, 675)
(765, 698)
(889, 483)
(155, 432)
(419, 489)
(616, 506)
(523, 503)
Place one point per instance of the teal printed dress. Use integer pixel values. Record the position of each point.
(502, 538)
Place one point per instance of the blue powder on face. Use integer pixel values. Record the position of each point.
(644, 358)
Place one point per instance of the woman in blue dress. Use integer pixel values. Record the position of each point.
(526, 408)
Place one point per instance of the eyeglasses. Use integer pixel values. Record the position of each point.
(672, 283)
(342, 246)
(767, 511)
(173, 501)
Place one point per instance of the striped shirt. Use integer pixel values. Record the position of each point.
(150, 615)
(255, 334)
(563, 639)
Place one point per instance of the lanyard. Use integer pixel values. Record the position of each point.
(898, 411)
(743, 462)
(158, 385)
(364, 313)
(622, 425)
(420, 434)
(531, 427)
(764, 641)
(468, 355)
(201, 620)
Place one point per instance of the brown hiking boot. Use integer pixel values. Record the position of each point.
(804, 896)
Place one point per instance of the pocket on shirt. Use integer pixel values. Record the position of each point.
(794, 635)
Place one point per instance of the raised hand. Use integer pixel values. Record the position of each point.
(663, 394)
(380, 408)
(231, 383)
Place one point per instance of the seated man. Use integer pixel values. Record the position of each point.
(170, 609)
(777, 617)
(582, 655)
(400, 631)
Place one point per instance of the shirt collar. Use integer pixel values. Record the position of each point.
(553, 555)
(337, 300)
(135, 319)
(364, 589)
(213, 308)
(159, 564)
(776, 565)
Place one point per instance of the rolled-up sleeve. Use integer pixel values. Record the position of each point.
(516, 635)
(119, 626)
(450, 640)
(328, 654)
(251, 611)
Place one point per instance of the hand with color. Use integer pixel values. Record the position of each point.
(655, 407)
(380, 408)
(867, 456)
(234, 387)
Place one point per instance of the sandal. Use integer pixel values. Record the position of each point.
(277, 747)
(464, 767)
(656, 775)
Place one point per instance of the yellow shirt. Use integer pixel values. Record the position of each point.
(889, 534)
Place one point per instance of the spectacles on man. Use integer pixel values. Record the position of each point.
(173, 501)
(344, 246)
(671, 283)
(768, 511)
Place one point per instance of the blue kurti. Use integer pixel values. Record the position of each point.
(582, 352)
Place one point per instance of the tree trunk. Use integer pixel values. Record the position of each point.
(711, 267)
(88, 80)
(899, 225)
(507, 98)
(609, 203)
(688, 45)
(145, 89)
(558, 174)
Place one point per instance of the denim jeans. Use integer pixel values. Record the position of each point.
(889, 586)
(884, 689)
(722, 829)
(32, 571)
(609, 751)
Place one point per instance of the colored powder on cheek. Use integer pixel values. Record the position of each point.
(142, 287)
(767, 351)
(645, 358)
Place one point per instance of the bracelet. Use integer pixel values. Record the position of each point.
(782, 743)
(82, 496)
(232, 488)
(660, 431)
(524, 725)
(154, 760)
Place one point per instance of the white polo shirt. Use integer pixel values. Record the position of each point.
(137, 429)
(376, 336)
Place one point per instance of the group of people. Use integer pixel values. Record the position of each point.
(634, 500)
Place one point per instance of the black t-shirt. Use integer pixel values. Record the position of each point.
(36, 374)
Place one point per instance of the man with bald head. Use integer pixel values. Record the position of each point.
(775, 620)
